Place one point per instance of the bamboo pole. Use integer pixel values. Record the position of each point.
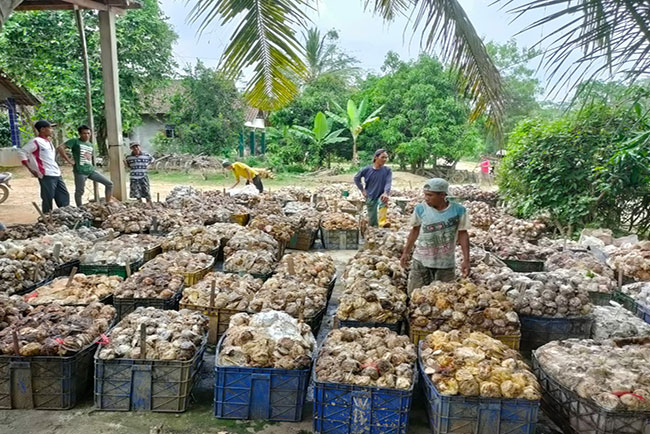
(89, 102)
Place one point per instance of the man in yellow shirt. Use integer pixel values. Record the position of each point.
(241, 170)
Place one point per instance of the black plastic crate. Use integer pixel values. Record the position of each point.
(124, 306)
(537, 330)
(474, 414)
(34, 287)
(45, 382)
(524, 266)
(576, 415)
(148, 385)
(259, 393)
(65, 269)
(340, 239)
(303, 239)
(396, 327)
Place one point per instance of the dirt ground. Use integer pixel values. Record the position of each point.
(25, 189)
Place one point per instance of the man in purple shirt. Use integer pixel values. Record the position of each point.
(377, 179)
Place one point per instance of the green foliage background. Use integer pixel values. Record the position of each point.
(42, 51)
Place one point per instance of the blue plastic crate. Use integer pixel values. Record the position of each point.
(476, 415)
(145, 384)
(350, 409)
(643, 312)
(259, 393)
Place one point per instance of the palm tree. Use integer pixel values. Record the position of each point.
(613, 36)
(323, 56)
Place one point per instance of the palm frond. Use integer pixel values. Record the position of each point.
(444, 24)
(388, 9)
(613, 37)
(265, 40)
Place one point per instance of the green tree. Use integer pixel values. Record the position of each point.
(207, 113)
(521, 88)
(320, 136)
(5, 131)
(317, 95)
(355, 120)
(323, 56)
(424, 120)
(42, 51)
(590, 166)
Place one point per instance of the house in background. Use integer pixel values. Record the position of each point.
(154, 117)
(13, 98)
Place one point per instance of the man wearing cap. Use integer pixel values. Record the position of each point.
(378, 179)
(82, 165)
(138, 162)
(437, 225)
(241, 170)
(39, 157)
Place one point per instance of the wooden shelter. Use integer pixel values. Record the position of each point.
(108, 9)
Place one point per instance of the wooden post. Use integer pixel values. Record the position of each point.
(89, 102)
(213, 290)
(14, 336)
(620, 279)
(38, 208)
(71, 276)
(110, 77)
(143, 341)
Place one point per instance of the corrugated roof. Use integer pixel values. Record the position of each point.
(28, 5)
(22, 96)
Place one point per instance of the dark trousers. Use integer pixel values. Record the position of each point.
(257, 182)
(53, 187)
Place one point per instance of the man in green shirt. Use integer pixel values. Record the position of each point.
(82, 153)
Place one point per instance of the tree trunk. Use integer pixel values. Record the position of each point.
(355, 156)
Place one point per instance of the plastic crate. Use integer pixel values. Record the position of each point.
(151, 385)
(416, 335)
(625, 300)
(65, 269)
(219, 320)
(124, 306)
(477, 415)
(110, 269)
(537, 331)
(193, 278)
(303, 239)
(259, 393)
(151, 253)
(45, 382)
(316, 320)
(240, 219)
(263, 277)
(34, 287)
(524, 266)
(350, 409)
(396, 327)
(578, 415)
(600, 298)
(340, 239)
(643, 312)
(330, 287)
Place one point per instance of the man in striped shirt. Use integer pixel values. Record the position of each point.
(39, 157)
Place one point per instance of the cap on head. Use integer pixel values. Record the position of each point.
(226, 163)
(437, 185)
(43, 124)
(134, 144)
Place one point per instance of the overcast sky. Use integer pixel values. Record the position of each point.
(361, 34)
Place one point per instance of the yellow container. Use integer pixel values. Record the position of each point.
(193, 278)
(512, 341)
(219, 320)
(240, 219)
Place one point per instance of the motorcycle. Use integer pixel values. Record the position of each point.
(4, 186)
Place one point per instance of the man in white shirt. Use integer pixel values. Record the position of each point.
(39, 157)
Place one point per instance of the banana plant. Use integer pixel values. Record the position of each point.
(352, 120)
(321, 135)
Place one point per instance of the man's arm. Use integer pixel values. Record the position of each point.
(25, 151)
(463, 240)
(357, 182)
(410, 242)
(61, 151)
(387, 186)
